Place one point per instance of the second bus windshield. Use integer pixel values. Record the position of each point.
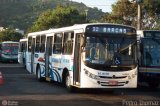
(150, 49)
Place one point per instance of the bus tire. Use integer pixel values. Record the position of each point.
(68, 83)
(38, 74)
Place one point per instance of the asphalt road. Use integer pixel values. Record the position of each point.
(22, 89)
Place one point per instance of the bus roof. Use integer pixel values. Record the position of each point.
(9, 42)
(141, 33)
(149, 30)
(24, 39)
(74, 27)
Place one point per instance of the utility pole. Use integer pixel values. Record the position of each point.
(139, 17)
(139, 14)
(86, 13)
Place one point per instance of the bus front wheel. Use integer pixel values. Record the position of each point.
(68, 83)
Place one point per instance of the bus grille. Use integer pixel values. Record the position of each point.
(116, 77)
(118, 84)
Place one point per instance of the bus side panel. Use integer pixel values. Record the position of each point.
(59, 63)
(57, 69)
(20, 57)
(40, 59)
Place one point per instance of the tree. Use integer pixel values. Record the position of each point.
(59, 17)
(125, 12)
(150, 14)
(10, 35)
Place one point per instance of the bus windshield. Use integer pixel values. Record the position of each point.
(10, 48)
(150, 48)
(110, 51)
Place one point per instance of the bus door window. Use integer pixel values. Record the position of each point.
(37, 44)
(42, 46)
(48, 54)
(33, 45)
(50, 46)
(29, 43)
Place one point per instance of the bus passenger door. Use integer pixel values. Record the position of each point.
(48, 54)
(32, 54)
(77, 59)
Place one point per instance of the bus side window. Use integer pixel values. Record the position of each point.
(68, 43)
(57, 46)
(42, 46)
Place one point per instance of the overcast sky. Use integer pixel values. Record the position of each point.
(105, 5)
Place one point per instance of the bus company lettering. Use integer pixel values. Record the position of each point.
(56, 60)
(60, 60)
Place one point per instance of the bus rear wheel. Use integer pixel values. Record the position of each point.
(38, 74)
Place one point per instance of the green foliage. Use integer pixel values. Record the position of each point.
(10, 35)
(23, 13)
(59, 17)
(125, 12)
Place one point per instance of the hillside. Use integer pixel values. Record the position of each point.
(22, 13)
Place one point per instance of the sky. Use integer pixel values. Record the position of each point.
(105, 5)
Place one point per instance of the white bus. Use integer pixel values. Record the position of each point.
(22, 51)
(9, 51)
(149, 60)
(97, 55)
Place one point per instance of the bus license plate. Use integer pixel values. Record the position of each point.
(113, 83)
